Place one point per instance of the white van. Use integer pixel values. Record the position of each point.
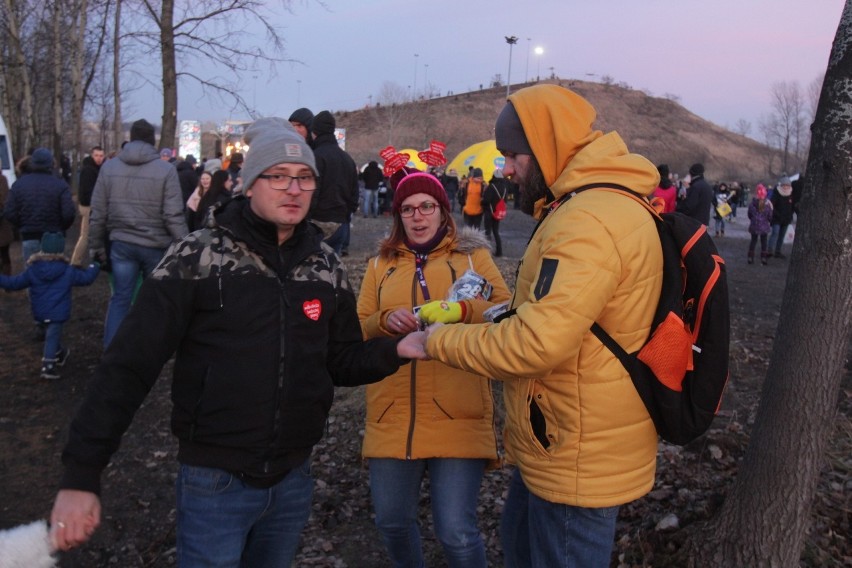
(8, 166)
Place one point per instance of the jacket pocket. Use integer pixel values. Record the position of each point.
(543, 426)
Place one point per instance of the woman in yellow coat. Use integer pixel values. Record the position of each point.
(427, 416)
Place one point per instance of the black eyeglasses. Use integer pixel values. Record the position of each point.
(281, 182)
(425, 208)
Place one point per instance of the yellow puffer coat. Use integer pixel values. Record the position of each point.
(427, 409)
(576, 427)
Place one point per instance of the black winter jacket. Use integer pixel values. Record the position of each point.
(261, 332)
(38, 203)
(372, 176)
(497, 189)
(699, 199)
(88, 177)
(188, 178)
(337, 194)
(782, 208)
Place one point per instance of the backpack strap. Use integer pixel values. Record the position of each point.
(599, 332)
(611, 344)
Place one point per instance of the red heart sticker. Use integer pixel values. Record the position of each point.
(312, 309)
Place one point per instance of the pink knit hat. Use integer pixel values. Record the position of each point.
(408, 181)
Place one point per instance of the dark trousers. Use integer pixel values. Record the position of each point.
(492, 226)
(474, 221)
(753, 244)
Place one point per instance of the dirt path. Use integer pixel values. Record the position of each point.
(138, 496)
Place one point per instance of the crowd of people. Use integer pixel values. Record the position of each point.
(234, 266)
(770, 212)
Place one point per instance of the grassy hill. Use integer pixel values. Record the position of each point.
(658, 128)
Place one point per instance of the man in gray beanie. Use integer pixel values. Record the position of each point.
(262, 322)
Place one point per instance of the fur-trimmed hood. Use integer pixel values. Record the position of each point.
(469, 239)
(465, 241)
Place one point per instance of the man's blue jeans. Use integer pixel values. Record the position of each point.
(29, 248)
(223, 522)
(371, 202)
(535, 532)
(128, 261)
(339, 238)
(454, 486)
(776, 237)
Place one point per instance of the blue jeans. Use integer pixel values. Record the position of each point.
(454, 486)
(371, 202)
(223, 522)
(535, 532)
(52, 340)
(776, 237)
(128, 262)
(339, 238)
(29, 248)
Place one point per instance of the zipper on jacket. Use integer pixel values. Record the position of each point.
(279, 391)
(195, 409)
(412, 383)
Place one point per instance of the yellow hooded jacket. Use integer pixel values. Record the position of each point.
(576, 427)
(427, 409)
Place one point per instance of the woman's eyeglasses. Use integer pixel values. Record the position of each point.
(281, 182)
(425, 208)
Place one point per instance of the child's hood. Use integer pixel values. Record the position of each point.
(48, 267)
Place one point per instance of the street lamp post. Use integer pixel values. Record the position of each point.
(538, 52)
(527, 70)
(511, 40)
(414, 89)
(426, 80)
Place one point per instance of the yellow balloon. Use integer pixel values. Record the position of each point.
(483, 155)
(413, 160)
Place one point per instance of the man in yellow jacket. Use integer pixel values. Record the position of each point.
(576, 429)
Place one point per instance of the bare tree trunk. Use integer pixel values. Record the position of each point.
(764, 519)
(118, 129)
(56, 118)
(27, 122)
(170, 95)
(77, 100)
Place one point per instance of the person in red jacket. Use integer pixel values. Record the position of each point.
(666, 190)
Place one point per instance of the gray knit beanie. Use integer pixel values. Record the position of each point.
(509, 132)
(273, 141)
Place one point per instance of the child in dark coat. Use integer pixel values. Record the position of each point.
(760, 218)
(51, 278)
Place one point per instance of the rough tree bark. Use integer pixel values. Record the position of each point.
(765, 516)
(118, 128)
(21, 77)
(58, 52)
(79, 23)
(169, 59)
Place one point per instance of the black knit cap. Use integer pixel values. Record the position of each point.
(303, 116)
(142, 130)
(696, 170)
(509, 132)
(323, 123)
